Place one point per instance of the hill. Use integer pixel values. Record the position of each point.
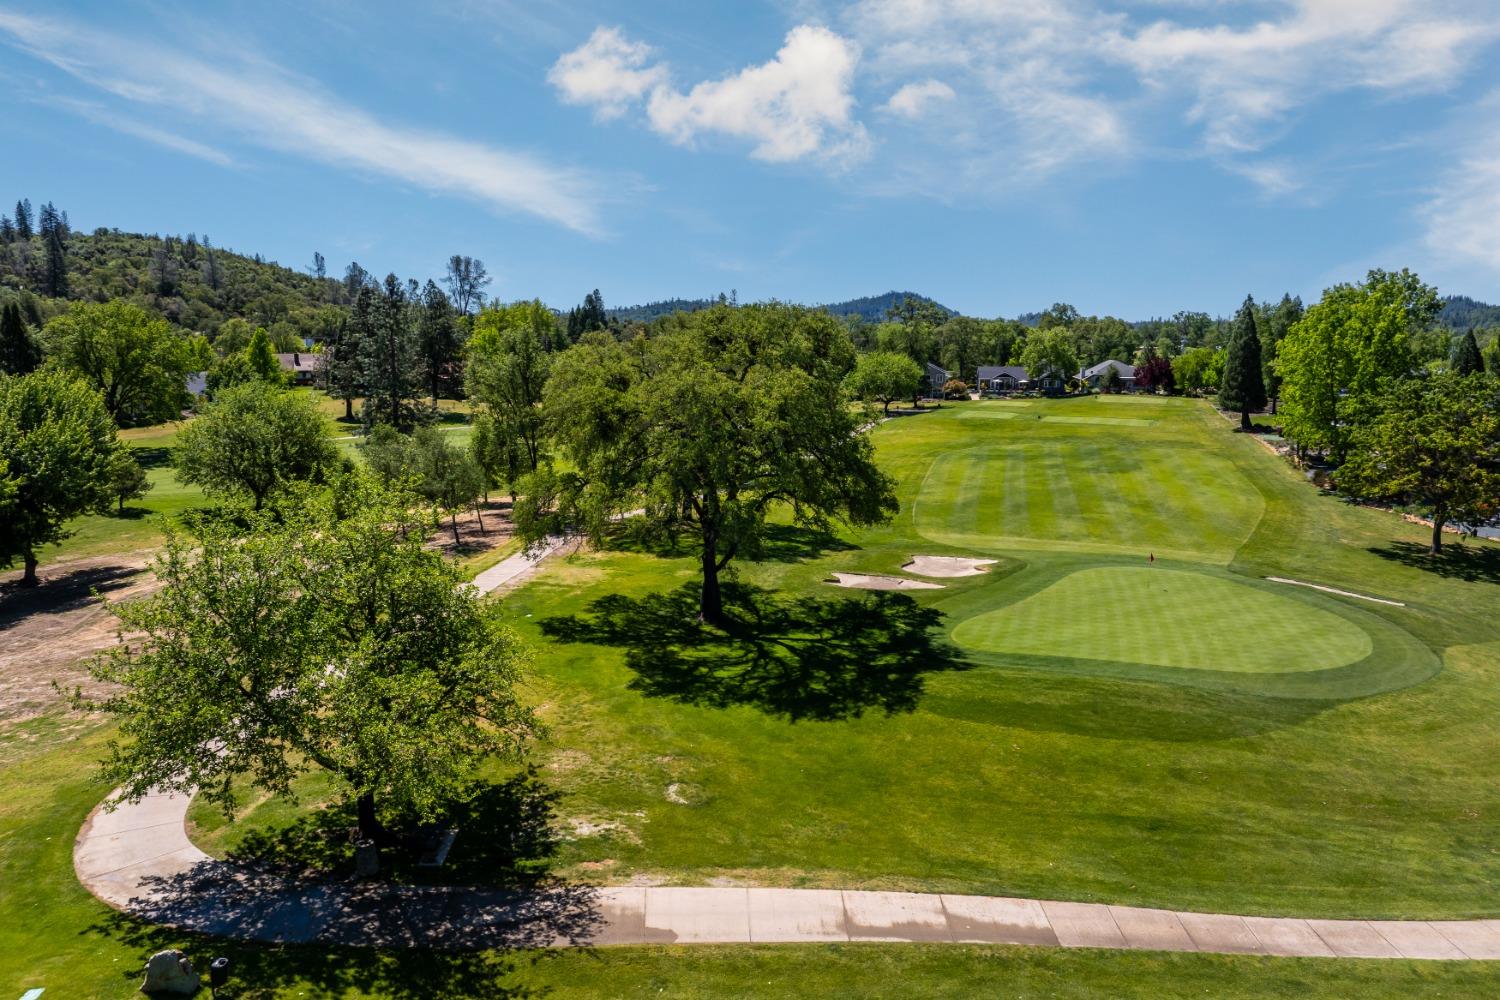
(1461, 312)
(871, 308)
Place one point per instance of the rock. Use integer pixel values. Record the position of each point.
(170, 972)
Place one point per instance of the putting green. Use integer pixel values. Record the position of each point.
(1168, 618)
(1085, 489)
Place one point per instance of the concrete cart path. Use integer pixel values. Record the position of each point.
(513, 569)
(139, 859)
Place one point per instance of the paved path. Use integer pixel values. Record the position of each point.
(513, 569)
(139, 859)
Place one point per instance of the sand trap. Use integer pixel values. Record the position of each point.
(859, 581)
(945, 566)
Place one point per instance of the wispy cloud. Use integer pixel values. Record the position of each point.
(1460, 216)
(100, 115)
(915, 98)
(270, 107)
(797, 105)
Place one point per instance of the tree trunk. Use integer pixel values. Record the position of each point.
(1437, 534)
(479, 516)
(1245, 420)
(28, 578)
(348, 407)
(453, 518)
(887, 411)
(369, 826)
(711, 606)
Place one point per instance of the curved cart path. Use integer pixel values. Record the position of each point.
(139, 859)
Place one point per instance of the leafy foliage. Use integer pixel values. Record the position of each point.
(326, 636)
(20, 352)
(508, 363)
(60, 448)
(1433, 441)
(254, 440)
(884, 377)
(137, 361)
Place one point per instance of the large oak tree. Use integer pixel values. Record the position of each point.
(727, 417)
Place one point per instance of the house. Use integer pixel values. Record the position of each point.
(303, 368)
(1051, 383)
(1002, 378)
(937, 377)
(1094, 377)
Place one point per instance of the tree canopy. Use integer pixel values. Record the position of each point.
(60, 448)
(508, 362)
(136, 360)
(1049, 350)
(253, 441)
(327, 636)
(729, 415)
(884, 377)
(1433, 441)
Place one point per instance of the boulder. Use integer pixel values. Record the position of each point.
(170, 972)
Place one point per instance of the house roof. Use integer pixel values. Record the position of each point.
(1126, 371)
(988, 372)
(933, 369)
(299, 361)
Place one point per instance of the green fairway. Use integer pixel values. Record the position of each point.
(1157, 616)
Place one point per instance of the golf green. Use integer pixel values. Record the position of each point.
(1168, 618)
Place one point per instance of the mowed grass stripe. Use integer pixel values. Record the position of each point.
(1169, 618)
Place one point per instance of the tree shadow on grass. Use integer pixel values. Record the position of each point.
(68, 591)
(151, 458)
(506, 837)
(794, 658)
(1476, 564)
(787, 543)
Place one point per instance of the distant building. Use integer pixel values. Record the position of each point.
(304, 368)
(1094, 377)
(937, 377)
(1003, 378)
(197, 383)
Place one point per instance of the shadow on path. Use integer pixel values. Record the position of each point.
(1478, 563)
(798, 658)
(68, 591)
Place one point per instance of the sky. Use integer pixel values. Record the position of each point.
(1130, 157)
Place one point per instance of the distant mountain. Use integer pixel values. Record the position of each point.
(1461, 312)
(871, 308)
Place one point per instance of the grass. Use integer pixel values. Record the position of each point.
(1369, 790)
(1155, 616)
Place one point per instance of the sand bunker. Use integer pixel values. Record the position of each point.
(943, 566)
(859, 581)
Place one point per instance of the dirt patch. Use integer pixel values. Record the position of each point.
(478, 531)
(861, 581)
(947, 566)
(48, 633)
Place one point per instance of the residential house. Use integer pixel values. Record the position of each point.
(937, 377)
(1094, 377)
(303, 368)
(1002, 378)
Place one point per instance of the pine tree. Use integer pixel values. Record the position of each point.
(7, 230)
(54, 233)
(440, 337)
(1467, 360)
(23, 219)
(342, 376)
(1244, 387)
(19, 351)
(391, 358)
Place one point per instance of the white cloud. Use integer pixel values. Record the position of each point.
(798, 105)
(915, 98)
(608, 71)
(100, 115)
(1460, 216)
(269, 107)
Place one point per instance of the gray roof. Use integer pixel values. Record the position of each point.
(988, 372)
(300, 361)
(1126, 371)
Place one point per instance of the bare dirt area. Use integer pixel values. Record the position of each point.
(48, 633)
(478, 531)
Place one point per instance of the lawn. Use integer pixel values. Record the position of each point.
(1081, 723)
(1223, 743)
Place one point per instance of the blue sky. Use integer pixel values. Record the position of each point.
(1132, 157)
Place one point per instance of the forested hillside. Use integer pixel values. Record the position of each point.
(1461, 312)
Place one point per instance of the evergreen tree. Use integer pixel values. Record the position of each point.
(1275, 324)
(341, 376)
(319, 267)
(440, 337)
(261, 360)
(391, 358)
(7, 230)
(1244, 387)
(19, 351)
(466, 282)
(23, 219)
(54, 232)
(1466, 357)
(211, 265)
